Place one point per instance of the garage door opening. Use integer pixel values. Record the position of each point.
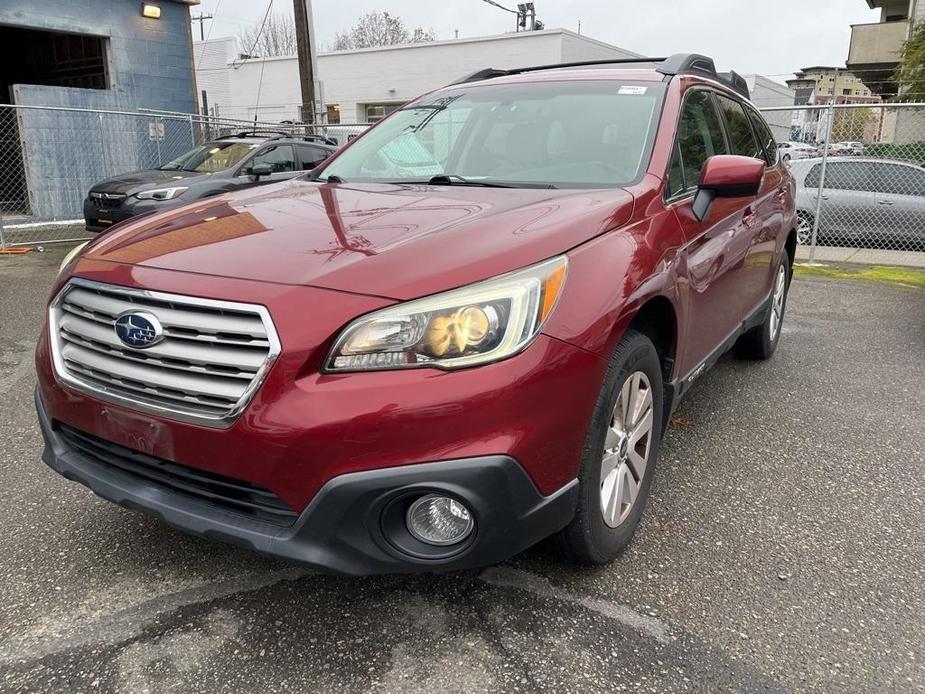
(28, 56)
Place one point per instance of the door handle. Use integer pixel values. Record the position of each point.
(884, 202)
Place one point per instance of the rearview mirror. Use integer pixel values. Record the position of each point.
(726, 175)
(257, 171)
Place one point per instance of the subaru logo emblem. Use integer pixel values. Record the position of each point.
(139, 329)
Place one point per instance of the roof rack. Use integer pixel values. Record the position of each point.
(678, 64)
(308, 138)
(282, 134)
(257, 133)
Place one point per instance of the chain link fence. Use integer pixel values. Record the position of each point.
(860, 173)
(859, 167)
(50, 157)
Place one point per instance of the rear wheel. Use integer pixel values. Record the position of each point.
(619, 455)
(761, 341)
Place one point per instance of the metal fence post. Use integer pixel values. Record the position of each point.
(103, 152)
(192, 133)
(830, 128)
(2, 237)
(157, 137)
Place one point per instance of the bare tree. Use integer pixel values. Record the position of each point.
(277, 37)
(379, 29)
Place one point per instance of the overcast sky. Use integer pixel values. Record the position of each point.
(770, 38)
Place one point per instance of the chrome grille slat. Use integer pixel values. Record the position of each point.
(241, 359)
(213, 357)
(171, 394)
(189, 383)
(141, 396)
(212, 323)
(161, 363)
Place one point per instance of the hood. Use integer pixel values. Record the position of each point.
(395, 241)
(137, 181)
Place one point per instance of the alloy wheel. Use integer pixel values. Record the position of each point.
(777, 301)
(804, 229)
(626, 449)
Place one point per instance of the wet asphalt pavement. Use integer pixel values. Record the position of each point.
(783, 549)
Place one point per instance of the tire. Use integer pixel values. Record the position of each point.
(761, 341)
(590, 538)
(804, 228)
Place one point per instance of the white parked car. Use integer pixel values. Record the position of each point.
(849, 148)
(797, 150)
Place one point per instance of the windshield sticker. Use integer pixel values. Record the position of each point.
(631, 89)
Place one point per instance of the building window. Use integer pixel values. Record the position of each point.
(376, 112)
(28, 56)
(333, 111)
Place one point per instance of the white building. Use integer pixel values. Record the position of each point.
(364, 85)
(768, 93)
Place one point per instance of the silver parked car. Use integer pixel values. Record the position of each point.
(797, 150)
(865, 202)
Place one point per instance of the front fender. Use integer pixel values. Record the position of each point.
(612, 277)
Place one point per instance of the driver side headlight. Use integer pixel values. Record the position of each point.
(478, 324)
(162, 193)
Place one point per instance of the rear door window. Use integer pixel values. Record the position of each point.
(765, 136)
(311, 156)
(895, 179)
(741, 138)
(700, 136)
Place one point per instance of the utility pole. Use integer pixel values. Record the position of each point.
(201, 19)
(308, 67)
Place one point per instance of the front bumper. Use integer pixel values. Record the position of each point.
(342, 530)
(99, 218)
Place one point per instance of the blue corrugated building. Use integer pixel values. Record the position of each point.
(84, 54)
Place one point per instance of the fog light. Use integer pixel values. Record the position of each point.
(439, 520)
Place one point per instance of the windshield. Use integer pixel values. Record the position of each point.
(210, 157)
(562, 134)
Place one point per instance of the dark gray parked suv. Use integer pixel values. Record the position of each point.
(228, 163)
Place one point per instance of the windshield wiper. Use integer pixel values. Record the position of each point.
(456, 180)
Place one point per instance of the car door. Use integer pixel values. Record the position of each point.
(714, 254)
(280, 158)
(752, 137)
(900, 198)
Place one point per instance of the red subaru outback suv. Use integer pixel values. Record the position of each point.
(462, 334)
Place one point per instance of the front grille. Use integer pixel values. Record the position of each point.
(211, 359)
(107, 200)
(226, 493)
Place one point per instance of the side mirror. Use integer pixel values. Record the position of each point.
(256, 172)
(726, 175)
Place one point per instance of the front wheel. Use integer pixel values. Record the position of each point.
(619, 457)
(804, 228)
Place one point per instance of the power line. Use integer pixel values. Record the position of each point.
(501, 7)
(263, 63)
(263, 25)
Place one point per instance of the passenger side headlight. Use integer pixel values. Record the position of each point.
(481, 323)
(162, 193)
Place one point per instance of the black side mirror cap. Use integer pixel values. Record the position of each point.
(258, 171)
